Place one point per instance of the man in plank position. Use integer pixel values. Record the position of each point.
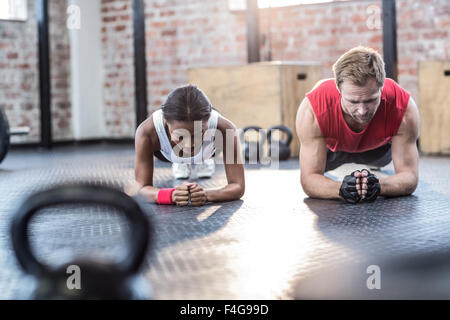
(361, 117)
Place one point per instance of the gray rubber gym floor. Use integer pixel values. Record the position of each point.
(275, 243)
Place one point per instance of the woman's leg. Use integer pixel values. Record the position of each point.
(179, 170)
(205, 169)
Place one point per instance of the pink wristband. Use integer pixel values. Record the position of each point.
(165, 196)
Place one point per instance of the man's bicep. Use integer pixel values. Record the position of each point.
(404, 145)
(312, 143)
(405, 156)
(313, 156)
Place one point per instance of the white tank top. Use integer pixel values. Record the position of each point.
(207, 149)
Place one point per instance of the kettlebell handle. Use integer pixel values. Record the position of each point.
(253, 128)
(282, 129)
(139, 235)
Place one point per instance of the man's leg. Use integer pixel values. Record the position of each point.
(336, 159)
(377, 158)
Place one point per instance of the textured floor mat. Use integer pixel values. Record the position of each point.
(274, 243)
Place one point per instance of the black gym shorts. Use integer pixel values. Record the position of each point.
(378, 157)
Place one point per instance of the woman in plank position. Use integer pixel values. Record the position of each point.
(185, 132)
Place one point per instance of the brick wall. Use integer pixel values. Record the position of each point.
(423, 34)
(60, 71)
(19, 75)
(180, 34)
(325, 31)
(19, 79)
(320, 32)
(183, 34)
(118, 55)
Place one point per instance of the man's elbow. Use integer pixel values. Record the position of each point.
(412, 186)
(409, 184)
(306, 188)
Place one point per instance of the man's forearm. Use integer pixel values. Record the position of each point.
(321, 187)
(400, 184)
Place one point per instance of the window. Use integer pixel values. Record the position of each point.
(241, 4)
(13, 10)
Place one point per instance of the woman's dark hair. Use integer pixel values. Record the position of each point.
(186, 103)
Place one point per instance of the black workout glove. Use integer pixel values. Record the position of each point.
(373, 187)
(348, 189)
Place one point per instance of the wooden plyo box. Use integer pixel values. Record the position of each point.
(262, 94)
(434, 106)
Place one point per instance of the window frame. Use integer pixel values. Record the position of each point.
(16, 18)
(240, 5)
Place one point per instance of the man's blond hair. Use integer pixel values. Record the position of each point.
(358, 65)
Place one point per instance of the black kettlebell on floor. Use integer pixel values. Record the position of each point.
(6, 132)
(4, 135)
(253, 150)
(97, 280)
(280, 150)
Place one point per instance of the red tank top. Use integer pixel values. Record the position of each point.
(325, 100)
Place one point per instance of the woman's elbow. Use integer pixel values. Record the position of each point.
(240, 192)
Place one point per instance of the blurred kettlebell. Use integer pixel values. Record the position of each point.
(98, 280)
(4, 135)
(253, 150)
(280, 150)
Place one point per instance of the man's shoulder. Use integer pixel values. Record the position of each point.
(411, 121)
(324, 92)
(392, 91)
(324, 97)
(307, 123)
(324, 85)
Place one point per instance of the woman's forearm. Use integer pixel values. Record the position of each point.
(232, 191)
(150, 193)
